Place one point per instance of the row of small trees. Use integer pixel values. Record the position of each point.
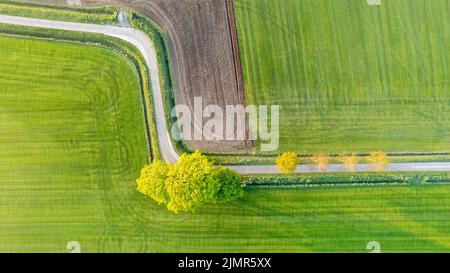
(194, 181)
(188, 184)
(287, 162)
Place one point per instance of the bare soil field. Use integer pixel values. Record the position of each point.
(201, 49)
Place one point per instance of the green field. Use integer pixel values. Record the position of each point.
(350, 77)
(72, 132)
(73, 141)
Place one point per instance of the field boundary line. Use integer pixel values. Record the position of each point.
(231, 18)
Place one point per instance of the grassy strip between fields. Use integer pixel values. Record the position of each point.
(99, 15)
(163, 55)
(347, 179)
(334, 159)
(110, 43)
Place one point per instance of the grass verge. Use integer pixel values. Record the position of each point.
(98, 15)
(347, 179)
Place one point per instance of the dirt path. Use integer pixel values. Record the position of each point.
(141, 41)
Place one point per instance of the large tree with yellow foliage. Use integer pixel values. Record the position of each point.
(190, 183)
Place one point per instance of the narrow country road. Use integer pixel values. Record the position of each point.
(141, 41)
(336, 168)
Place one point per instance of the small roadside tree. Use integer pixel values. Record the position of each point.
(287, 162)
(378, 160)
(349, 161)
(152, 181)
(321, 160)
(230, 184)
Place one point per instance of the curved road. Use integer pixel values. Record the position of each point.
(141, 41)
